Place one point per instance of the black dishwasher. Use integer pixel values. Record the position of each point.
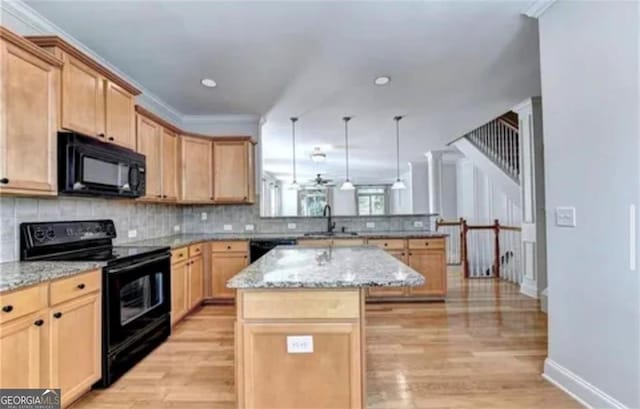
(258, 248)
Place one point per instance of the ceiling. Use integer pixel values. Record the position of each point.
(454, 65)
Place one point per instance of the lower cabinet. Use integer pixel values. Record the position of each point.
(179, 297)
(51, 336)
(401, 255)
(227, 260)
(195, 275)
(187, 281)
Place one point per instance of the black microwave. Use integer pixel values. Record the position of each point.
(89, 167)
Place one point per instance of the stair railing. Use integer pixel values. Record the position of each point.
(500, 142)
(453, 230)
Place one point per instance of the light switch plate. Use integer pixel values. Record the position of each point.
(565, 216)
(249, 227)
(300, 344)
(371, 225)
(227, 227)
(132, 233)
(291, 226)
(176, 228)
(418, 223)
(203, 216)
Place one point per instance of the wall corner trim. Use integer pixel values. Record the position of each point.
(537, 7)
(587, 394)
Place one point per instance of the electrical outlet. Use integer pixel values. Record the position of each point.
(418, 223)
(300, 344)
(291, 226)
(203, 216)
(176, 228)
(249, 227)
(132, 233)
(566, 216)
(227, 227)
(371, 225)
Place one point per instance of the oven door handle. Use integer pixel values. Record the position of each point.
(138, 265)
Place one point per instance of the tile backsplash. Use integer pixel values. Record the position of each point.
(156, 220)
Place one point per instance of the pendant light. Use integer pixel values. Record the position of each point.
(347, 185)
(294, 184)
(398, 184)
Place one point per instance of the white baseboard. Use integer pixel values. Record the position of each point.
(529, 291)
(579, 389)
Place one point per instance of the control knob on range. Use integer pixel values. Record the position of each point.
(39, 235)
(51, 234)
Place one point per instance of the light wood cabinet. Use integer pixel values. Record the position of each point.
(432, 264)
(234, 171)
(179, 294)
(226, 261)
(149, 143)
(196, 168)
(24, 349)
(119, 115)
(76, 336)
(57, 346)
(196, 281)
(29, 80)
(169, 165)
(401, 255)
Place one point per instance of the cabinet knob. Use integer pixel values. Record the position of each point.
(101, 135)
(411, 254)
(211, 198)
(426, 243)
(158, 196)
(111, 138)
(228, 247)
(385, 244)
(7, 308)
(164, 196)
(57, 315)
(4, 181)
(81, 286)
(38, 323)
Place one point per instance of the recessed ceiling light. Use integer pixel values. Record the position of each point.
(208, 82)
(383, 80)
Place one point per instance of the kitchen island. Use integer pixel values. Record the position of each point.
(300, 338)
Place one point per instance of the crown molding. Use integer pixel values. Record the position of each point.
(230, 118)
(537, 7)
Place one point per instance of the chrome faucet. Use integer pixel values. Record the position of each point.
(326, 212)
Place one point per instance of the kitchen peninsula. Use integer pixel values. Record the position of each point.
(300, 324)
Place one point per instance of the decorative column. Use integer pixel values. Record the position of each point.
(434, 164)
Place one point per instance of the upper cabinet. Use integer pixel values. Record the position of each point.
(94, 101)
(196, 176)
(29, 79)
(233, 170)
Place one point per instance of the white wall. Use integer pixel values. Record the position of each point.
(589, 69)
(449, 192)
(419, 185)
(344, 202)
(401, 199)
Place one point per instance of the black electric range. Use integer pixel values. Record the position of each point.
(136, 286)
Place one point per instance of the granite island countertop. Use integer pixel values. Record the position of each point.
(18, 274)
(181, 240)
(331, 267)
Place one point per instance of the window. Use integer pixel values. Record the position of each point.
(371, 200)
(312, 201)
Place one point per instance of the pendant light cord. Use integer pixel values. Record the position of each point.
(397, 119)
(346, 120)
(293, 137)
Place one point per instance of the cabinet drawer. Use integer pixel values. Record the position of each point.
(309, 304)
(196, 249)
(22, 302)
(72, 287)
(415, 244)
(179, 255)
(221, 246)
(314, 242)
(393, 244)
(347, 242)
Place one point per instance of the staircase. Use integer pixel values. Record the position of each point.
(495, 148)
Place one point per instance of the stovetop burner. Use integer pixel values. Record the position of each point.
(108, 253)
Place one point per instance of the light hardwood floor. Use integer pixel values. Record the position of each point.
(484, 348)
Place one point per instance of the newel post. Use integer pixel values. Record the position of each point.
(496, 231)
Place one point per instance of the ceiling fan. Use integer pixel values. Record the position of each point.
(319, 181)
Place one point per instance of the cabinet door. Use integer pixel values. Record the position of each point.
(401, 255)
(179, 294)
(432, 265)
(149, 144)
(169, 165)
(76, 345)
(29, 112)
(327, 377)
(23, 348)
(223, 267)
(120, 115)
(196, 281)
(231, 168)
(196, 169)
(82, 98)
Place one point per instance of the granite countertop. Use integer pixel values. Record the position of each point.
(18, 274)
(330, 267)
(181, 240)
